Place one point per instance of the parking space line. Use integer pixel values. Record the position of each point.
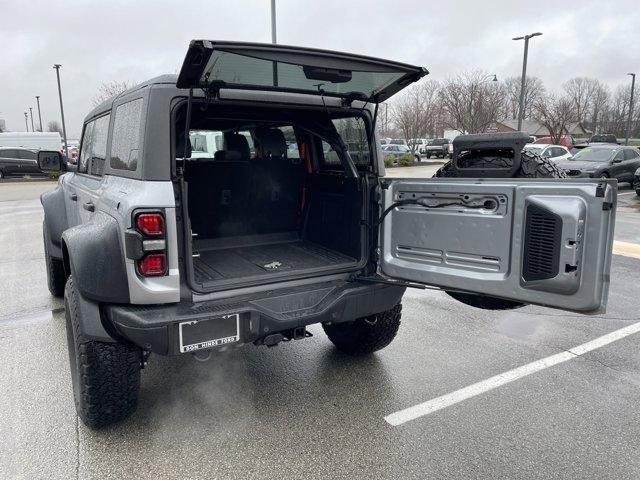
(431, 406)
(626, 249)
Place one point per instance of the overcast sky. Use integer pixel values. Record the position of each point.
(134, 41)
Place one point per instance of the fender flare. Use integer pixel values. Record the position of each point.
(55, 219)
(93, 254)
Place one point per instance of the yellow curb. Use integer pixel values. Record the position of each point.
(627, 249)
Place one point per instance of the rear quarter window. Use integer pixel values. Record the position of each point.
(125, 141)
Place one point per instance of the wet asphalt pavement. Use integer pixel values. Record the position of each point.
(302, 410)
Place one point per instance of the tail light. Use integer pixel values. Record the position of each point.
(153, 265)
(153, 262)
(150, 224)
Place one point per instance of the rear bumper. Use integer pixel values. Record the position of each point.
(155, 327)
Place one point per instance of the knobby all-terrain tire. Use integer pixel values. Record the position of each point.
(105, 376)
(638, 191)
(56, 277)
(365, 335)
(531, 166)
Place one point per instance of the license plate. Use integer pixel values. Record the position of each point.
(211, 332)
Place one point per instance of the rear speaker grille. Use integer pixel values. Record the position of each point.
(543, 235)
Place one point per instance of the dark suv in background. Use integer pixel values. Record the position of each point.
(17, 162)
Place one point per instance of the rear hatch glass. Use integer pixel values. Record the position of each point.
(294, 69)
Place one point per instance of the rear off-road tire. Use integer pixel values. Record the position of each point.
(56, 277)
(365, 335)
(531, 166)
(105, 376)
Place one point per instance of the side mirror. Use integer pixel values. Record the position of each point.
(49, 161)
(616, 160)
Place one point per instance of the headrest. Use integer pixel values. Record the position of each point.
(237, 142)
(271, 142)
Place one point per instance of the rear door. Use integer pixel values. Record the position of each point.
(255, 66)
(536, 241)
(9, 163)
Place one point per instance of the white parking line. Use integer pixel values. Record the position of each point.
(422, 409)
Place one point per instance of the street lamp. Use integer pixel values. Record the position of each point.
(26, 117)
(39, 116)
(633, 85)
(64, 128)
(33, 129)
(273, 21)
(524, 74)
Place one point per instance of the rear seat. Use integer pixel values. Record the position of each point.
(275, 184)
(218, 187)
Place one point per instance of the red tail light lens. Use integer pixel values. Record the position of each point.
(153, 265)
(150, 224)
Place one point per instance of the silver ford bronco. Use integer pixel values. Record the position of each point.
(246, 199)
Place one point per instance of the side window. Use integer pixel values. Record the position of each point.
(354, 135)
(85, 149)
(27, 155)
(9, 154)
(125, 142)
(99, 150)
(630, 154)
(619, 156)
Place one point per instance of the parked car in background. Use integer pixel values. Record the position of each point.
(17, 162)
(604, 161)
(420, 145)
(603, 138)
(636, 182)
(398, 141)
(398, 151)
(565, 140)
(552, 152)
(438, 147)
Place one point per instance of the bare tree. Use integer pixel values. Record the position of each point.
(471, 102)
(555, 113)
(414, 112)
(110, 89)
(54, 126)
(581, 91)
(533, 90)
(599, 104)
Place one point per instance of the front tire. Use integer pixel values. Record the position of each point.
(531, 166)
(56, 277)
(365, 335)
(105, 376)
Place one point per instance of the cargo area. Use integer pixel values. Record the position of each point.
(268, 200)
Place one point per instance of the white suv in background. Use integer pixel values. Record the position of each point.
(552, 152)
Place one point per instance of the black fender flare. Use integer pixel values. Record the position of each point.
(93, 254)
(55, 219)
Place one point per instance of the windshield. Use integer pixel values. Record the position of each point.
(593, 155)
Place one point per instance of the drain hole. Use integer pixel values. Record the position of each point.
(570, 268)
(489, 204)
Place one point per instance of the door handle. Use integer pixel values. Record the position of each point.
(89, 206)
(73, 197)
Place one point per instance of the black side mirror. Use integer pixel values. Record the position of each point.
(49, 161)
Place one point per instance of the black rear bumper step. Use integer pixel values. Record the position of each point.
(155, 327)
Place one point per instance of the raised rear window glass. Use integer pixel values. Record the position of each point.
(257, 72)
(125, 143)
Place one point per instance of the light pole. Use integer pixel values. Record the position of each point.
(633, 85)
(64, 128)
(39, 116)
(273, 21)
(524, 74)
(33, 129)
(26, 117)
